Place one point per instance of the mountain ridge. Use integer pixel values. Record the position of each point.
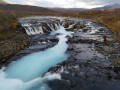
(68, 10)
(108, 7)
(17, 7)
(28, 8)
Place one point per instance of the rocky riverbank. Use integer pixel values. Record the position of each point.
(19, 44)
(35, 43)
(12, 44)
(90, 65)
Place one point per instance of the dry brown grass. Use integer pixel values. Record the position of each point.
(110, 18)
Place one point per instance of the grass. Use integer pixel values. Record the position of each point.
(12, 40)
(110, 18)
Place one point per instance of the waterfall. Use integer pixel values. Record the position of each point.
(40, 27)
(26, 73)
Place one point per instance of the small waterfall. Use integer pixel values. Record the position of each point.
(71, 26)
(39, 29)
(57, 26)
(27, 31)
(63, 24)
(51, 27)
(26, 73)
(33, 28)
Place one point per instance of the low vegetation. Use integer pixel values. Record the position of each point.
(12, 37)
(110, 18)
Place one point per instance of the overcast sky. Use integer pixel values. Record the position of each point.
(65, 3)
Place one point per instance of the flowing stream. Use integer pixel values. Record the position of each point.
(27, 73)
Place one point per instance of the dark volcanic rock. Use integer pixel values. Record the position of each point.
(87, 65)
(59, 85)
(36, 43)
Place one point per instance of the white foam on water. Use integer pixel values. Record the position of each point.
(35, 84)
(26, 73)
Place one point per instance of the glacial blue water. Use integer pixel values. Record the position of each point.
(26, 73)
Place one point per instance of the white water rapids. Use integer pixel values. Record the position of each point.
(26, 73)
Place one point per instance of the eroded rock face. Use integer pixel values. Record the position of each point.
(37, 43)
(39, 25)
(89, 65)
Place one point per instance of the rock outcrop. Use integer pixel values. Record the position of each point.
(90, 65)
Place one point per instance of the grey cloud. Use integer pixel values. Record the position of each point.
(100, 1)
(44, 4)
(70, 3)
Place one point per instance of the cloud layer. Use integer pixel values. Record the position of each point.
(65, 3)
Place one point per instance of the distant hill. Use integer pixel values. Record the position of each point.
(25, 8)
(2, 2)
(68, 10)
(108, 7)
